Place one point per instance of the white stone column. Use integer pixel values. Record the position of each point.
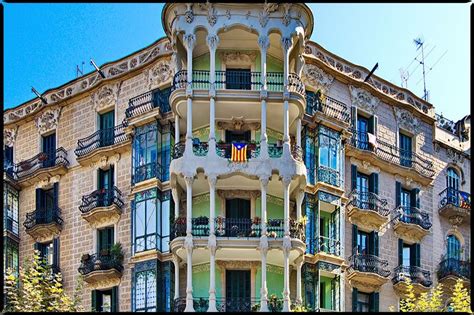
(263, 246)
(299, 203)
(263, 43)
(176, 276)
(176, 128)
(188, 244)
(286, 43)
(174, 192)
(212, 42)
(298, 132)
(299, 264)
(286, 180)
(212, 244)
(189, 42)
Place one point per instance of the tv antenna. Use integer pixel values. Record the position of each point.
(419, 44)
(81, 71)
(404, 75)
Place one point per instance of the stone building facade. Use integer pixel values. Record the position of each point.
(240, 166)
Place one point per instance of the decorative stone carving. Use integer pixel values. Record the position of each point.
(189, 41)
(212, 41)
(212, 243)
(406, 120)
(263, 244)
(160, 73)
(48, 181)
(265, 14)
(227, 14)
(286, 18)
(106, 97)
(456, 220)
(188, 243)
(286, 243)
(238, 57)
(237, 264)
(9, 136)
(201, 268)
(238, 124)
(314, 76)
(238, 193)
(104, 161)
(263, 42)
(363, 99)
(286, 43)
(201, 198)
(48, 120)
(211, 12)
(188, 15)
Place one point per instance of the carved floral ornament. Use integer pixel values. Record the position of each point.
(48, 120)
(363, 99)
(105, 97)
(239, 124)
(9, 137)
(160, 73)
(238, 57)
(406, 120)
(211, 12)
(265, 14)
(317, 78)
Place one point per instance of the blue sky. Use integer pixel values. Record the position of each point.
(44, 42)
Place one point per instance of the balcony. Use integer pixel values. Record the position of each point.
(329, 176)
(420, 278)
(101, 270)
(250, 304)
(43, 225)
(102, 207)
(367, 272)
(238, 80)
(147, 107)
(105, 142)
(452, 269)
(405, 161)
(368, 210)
(325, 249)
(238, 227)
(224, 150)
(411, 224)
(453, 202)
(40, 167)
(328, 109)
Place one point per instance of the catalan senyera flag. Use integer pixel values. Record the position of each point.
(239, 152)
(465, 201)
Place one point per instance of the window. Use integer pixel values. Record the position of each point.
(106, 127)
(105, 300)
(50, 253)
(153, 286)
(362, 129)
(453, 247)
(10, 214)
(152, 210)
(452, 179)
(310, 152)
(47, 204)
(365, 302)
(105, 239)
(405, 150)
(409, 254)
(49, 149)
(329, 148)
(406, 255)
(105, 183)
(364, 243)
(8, 160)
(238, 79)
(10, 254)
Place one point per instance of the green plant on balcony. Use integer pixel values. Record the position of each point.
(274, 303)
(117, 252)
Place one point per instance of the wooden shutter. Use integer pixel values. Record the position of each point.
(56, 252)
(354, 299)
(374, 183)
(115, 300)
(39, 194)
(417, 250)
(94, 301)
(353, 177)
(398, 192)
(374, 243)
(415, 198)
(374, 302)
(400, 251)
(56, 195)
(354, 239)
(354, 117)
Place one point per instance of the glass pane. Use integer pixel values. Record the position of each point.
(140, 219)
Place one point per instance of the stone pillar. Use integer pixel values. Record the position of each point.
(189, 42)
(176, 128)
(263, 246)
(174, 192)
(298, 132)
(286, 45)
(264, 43)
(299, 203)
(299, 264)
(212, 244)
(212, 42)
(286, 180)
(188, 244)
(176, 276)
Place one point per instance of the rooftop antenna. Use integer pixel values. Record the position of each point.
(81, 71)
(419, 44)
(404, 75)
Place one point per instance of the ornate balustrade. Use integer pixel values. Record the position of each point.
(329, 176)
(455, 198)
(368, 201)
(100, 262)
(250, 304)
(101, 138)
(369, 263)
(391, 153)
(274, 150)
(412, 215)
(146, 102)
(414, 273)
(225, 150)
(200, 148)
(41, 161)
(329, 107)
(454, 267)
(101, 198)
(43, 216)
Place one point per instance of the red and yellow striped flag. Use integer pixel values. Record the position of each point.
(239, 152)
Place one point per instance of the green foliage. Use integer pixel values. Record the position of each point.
(298, 308)
(37, 289)
(116, 252)
(432, 301)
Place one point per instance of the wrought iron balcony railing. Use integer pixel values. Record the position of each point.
(146, 102)
(101, 138)
(225, 150)
(329, 107)
(40, 161)
(275, 150)
(240, 304)
(414, 273)
(178, 150)
(369, 201)
(200, 148)
(101, 198)
(101, 261)
(393, 154)
(329, 175)
(238, 80)
(369, 263)
(413, 215)
(454, 267)
(43, 216)
(454, 197)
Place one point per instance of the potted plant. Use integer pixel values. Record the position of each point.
(116, 252)
(85, 257)
(256, 220)
(104, 252)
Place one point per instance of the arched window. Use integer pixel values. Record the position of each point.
(454, 247)
(452, 179)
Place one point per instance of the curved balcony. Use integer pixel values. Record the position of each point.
(102, 207)
(250, 304)
(453, 202)
(105, 142)
(101, 270)
(224, 150)
(147, 107)
(40, 167)
(367, 272)
(411, 224)
(42, 224)
(406, 161)
(326, 108)
(452, 269)
(420, 278)
(368, 210)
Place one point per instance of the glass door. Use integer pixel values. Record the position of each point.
(49, 149)
(238, 291)
(405, 202)
(363, 190)
(105, 187)
(106, 127)
(405, 150)
(105, 239)
(238, 79)
(237, 218)
(362, 129)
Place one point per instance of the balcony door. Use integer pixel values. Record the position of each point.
(237, 290)
(106, 127)
(237, 218)
(405, 201)
(453, 248)
(49, 149)
(45, 205)
(105, 239)
(238, 79)
(363, 190)
(362, 129)
(105, 187)
(405, 150)
(237, 136)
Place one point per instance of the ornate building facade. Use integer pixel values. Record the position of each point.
(240, 166)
